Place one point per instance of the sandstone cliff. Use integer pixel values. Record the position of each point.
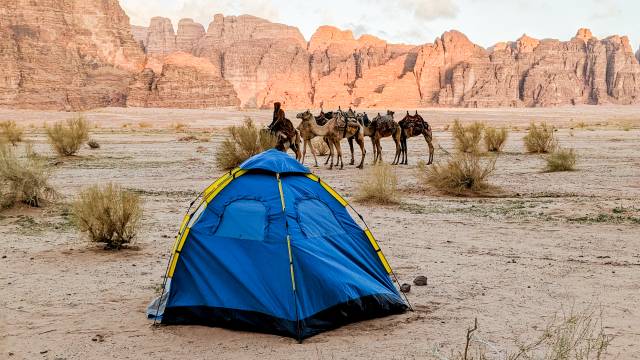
(66, 55)
(184, 82)
(74, 55)
(267, 62)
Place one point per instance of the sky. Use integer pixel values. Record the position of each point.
(485, 22)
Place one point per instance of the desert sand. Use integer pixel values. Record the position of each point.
(548, 242)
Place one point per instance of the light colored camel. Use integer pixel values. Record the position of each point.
(334, 131)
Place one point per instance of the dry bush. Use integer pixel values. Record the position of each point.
(573, 335)
(244, 141)
(446, 127)
(188, 138)
(93, 144)
(67, 137)
(320, 146)
(561, 160)
(11, 132)
(24, 180)
(145, 125)
(495, 139)
(540, 138)
(380, 185)
(467, 138)
(108, 214)
(463, 174)
(178, 126)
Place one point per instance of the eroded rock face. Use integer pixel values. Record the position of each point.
(76, 55)
(66, 55)
(186, 81)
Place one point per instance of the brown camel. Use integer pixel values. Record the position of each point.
(385, 126)
(286, 135)
(414, 125)
(334, 131)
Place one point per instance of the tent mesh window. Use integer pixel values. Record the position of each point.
(234, 224)
(316, 219)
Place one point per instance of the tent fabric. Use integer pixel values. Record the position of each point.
(275, 251)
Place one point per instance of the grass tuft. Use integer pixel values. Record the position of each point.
(320, 146)
(245, 141)
(561, 160)
(540, 139)
(462, 175)
(380, 186)
(23, 180)
(67, 137)
(108, 214)
(495, 139)
(11, 132)
(467, 138)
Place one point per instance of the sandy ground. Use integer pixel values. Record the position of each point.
(552, 241)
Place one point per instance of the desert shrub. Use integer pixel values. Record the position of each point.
(320, 146)
(179, 126)
(245, 141)
(11, 132)
(561, 160)
(467, 138)
(573, 335)
(145, 125)
(540, 138)
(24, 180)
(93, 144)
(495, 139)
(67, 137)
(461, 174)
(380, 185)
(108, 214)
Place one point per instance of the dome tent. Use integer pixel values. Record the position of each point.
(272, 248)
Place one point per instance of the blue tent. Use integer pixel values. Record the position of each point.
(272, 248)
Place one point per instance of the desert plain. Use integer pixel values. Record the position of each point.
(542, 244)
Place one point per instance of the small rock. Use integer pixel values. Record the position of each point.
(10, 354)
(420, 280)
(405, 288)
(4, 256)
(44, 351)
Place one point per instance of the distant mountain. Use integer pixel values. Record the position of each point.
(80, 54)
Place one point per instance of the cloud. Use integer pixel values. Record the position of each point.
(426, 10)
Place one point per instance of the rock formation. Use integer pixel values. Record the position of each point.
(185, 82)
(73, 55)
(66, 55)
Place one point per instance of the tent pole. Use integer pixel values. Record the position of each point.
(395, 278)
(293, 283)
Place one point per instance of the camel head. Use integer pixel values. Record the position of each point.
(305, 116)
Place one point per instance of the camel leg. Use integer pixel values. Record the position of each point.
(330, 157)
(313, 152)
(362, 150)
(396, 158)
(379, 146)
(373, 145)
(405, 151)
(430, 145)
(339, 152)
(304, 151)
(350, 140)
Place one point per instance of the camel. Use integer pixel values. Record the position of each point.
(286, 135)
(414, 125)
(385, 126)
(334, 130)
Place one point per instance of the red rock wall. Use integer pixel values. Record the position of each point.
(73, 55)
(66, 55)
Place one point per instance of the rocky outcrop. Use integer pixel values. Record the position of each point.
(185, 82)
(74, 55)
(66, 55)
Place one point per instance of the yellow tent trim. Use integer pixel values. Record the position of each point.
(293, 278)
(326, 186)
(374, 243)
(209, 194)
